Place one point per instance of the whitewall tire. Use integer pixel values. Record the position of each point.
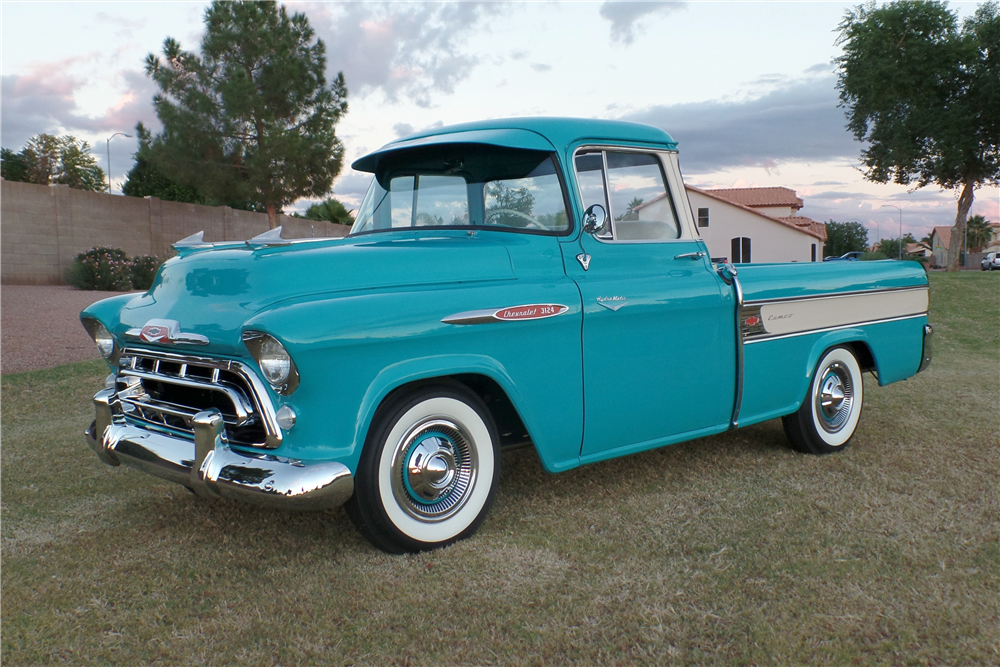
(429, 470)
(831, 409)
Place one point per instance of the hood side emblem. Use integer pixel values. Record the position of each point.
(165, 332)
(532, 311)
(612, 302)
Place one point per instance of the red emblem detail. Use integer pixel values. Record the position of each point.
(155, 334)
(752, 321)
(534, 311)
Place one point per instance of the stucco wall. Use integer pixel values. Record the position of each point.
(42, 228)
(770, 241)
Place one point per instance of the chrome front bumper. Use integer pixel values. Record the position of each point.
(210, 468)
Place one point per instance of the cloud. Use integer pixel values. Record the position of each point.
(540, 67)
(44, 100)
(799, 122)
(405, 50)
(627, 17)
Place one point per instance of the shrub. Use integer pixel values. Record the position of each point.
(143, 270)
(102, 269)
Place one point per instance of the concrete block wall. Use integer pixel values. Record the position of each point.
(43, 228)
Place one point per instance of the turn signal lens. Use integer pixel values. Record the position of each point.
(105, 341)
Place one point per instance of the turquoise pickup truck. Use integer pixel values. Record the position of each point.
(528, 282)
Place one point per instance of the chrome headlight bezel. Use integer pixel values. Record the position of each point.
(107, 345)
(274, 361)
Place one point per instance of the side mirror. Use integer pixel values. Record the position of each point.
(594, 219)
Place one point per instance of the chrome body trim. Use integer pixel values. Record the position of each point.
(165, 332)
(734, 421)
(769, 319)
(751, 341)
(196, 240)
(257, 403)
(833, 295)
(210, 468)
(491, 315)
(271, 237)
(925, 357)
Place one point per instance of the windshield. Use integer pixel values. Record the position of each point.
(465, 186)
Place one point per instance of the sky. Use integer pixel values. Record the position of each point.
(746, 88)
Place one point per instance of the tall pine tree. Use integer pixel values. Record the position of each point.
(252, 118)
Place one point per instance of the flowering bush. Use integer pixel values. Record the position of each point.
(102, 269)
(144, 270)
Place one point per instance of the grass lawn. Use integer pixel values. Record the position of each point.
(728, 550)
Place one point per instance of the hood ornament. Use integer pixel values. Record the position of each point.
(165, 332)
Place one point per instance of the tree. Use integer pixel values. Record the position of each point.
(843, 237)
(144, 179)
(252, 118)
(979, 233)
(11, 165)
(47, 159)
(330, 210)
(890, 247)
(924, 96)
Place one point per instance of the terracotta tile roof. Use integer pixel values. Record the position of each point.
(759, 197)
(807, 223)
(945, 234)
(802, 224)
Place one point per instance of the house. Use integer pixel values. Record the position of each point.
(940, 241)
(918, 249)
(747, 225)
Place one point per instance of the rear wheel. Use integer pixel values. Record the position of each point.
(831, 409)
(429, 470)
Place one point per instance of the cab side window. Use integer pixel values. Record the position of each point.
(638, 203)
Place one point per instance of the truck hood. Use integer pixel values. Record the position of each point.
(214, 292)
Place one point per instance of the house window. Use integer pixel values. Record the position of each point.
(814, 252)
(703, 217)
(740, 247)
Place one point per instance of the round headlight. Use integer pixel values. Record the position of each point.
(105, 341)
(274, 362)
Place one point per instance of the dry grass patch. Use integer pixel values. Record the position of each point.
(728, 550)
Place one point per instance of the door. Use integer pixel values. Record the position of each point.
(659, 323)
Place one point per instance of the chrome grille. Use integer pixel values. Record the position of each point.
(167, 390)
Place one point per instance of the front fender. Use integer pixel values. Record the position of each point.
(414, 370)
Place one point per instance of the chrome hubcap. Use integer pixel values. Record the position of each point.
(430, 467)
(834, 397)
(433, 469)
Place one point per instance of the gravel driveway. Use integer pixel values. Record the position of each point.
(40, 326)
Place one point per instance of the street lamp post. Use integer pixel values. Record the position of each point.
(109, 155)
(900, 227)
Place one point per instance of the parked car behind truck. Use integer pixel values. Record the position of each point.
(498, 289)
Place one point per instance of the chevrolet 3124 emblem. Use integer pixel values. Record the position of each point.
(531, 311)
(165, 332)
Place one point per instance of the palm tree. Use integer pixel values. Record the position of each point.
(979, 233)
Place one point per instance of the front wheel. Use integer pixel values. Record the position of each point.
(831, 409)
(429, 470)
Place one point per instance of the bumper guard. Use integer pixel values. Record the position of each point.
(210, 468)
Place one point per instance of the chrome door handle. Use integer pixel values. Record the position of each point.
(691, 255)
